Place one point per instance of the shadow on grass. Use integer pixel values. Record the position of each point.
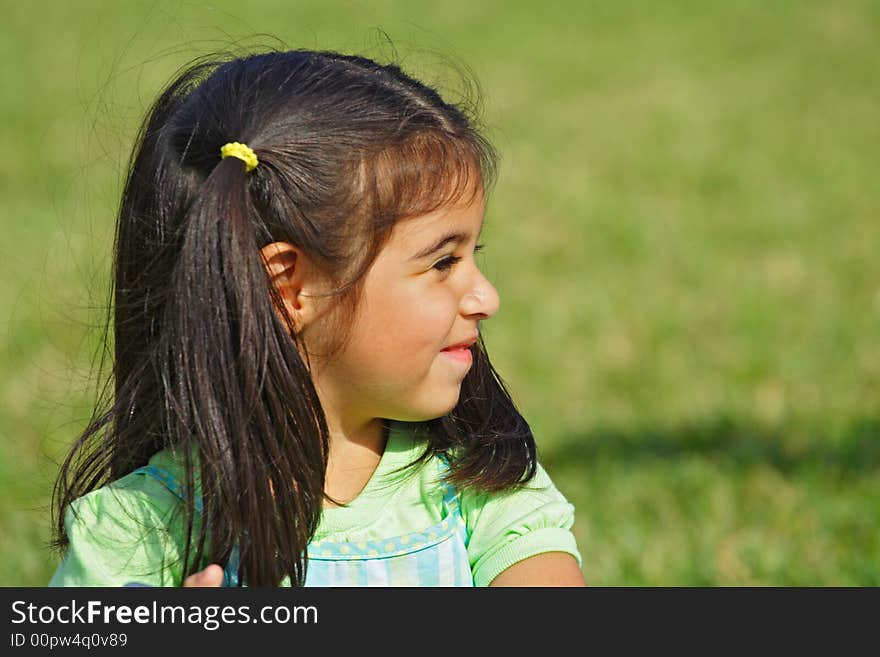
(853, 449)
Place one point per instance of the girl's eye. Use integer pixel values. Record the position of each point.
(449, 262)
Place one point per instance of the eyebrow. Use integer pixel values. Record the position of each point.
(439, 244)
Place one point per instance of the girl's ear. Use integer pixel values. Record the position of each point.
(293, 276)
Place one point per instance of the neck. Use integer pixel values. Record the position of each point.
(365, 438)
(352, 460)
(356, 445)
(350, 427)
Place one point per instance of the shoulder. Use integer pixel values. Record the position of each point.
(131, 498)
(124, 531)
(535, 502)
(539, 498)
(512, 525)
(121, 503)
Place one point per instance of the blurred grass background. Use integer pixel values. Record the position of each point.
(684, 238)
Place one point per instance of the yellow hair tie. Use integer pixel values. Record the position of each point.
(242, 152)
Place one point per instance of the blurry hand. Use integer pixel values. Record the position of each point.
(210, 576)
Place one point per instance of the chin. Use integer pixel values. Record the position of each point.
(424, 414)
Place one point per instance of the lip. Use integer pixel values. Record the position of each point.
(464, 345)
(462, 355)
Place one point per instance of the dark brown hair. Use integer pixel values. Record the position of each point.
(203, 364)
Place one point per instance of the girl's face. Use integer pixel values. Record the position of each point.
(423, 294)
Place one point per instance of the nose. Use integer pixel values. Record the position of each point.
(482, 299)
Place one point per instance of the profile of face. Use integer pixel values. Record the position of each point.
(417, 301)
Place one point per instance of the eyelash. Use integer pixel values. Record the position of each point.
(449, 262)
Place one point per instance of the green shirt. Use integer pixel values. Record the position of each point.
(132, 529)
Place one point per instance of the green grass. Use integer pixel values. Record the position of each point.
(684, 238)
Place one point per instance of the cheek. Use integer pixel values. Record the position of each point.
(407, 321)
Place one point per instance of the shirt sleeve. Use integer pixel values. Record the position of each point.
(505, 528)
(121, 534)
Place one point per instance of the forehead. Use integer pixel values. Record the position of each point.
(416, 232)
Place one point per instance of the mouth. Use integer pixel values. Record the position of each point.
(462, 354)
(461, 351)
(464, 345)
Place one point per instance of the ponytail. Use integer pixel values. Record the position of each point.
(259, 447)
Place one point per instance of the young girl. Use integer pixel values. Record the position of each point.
(302, 395)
